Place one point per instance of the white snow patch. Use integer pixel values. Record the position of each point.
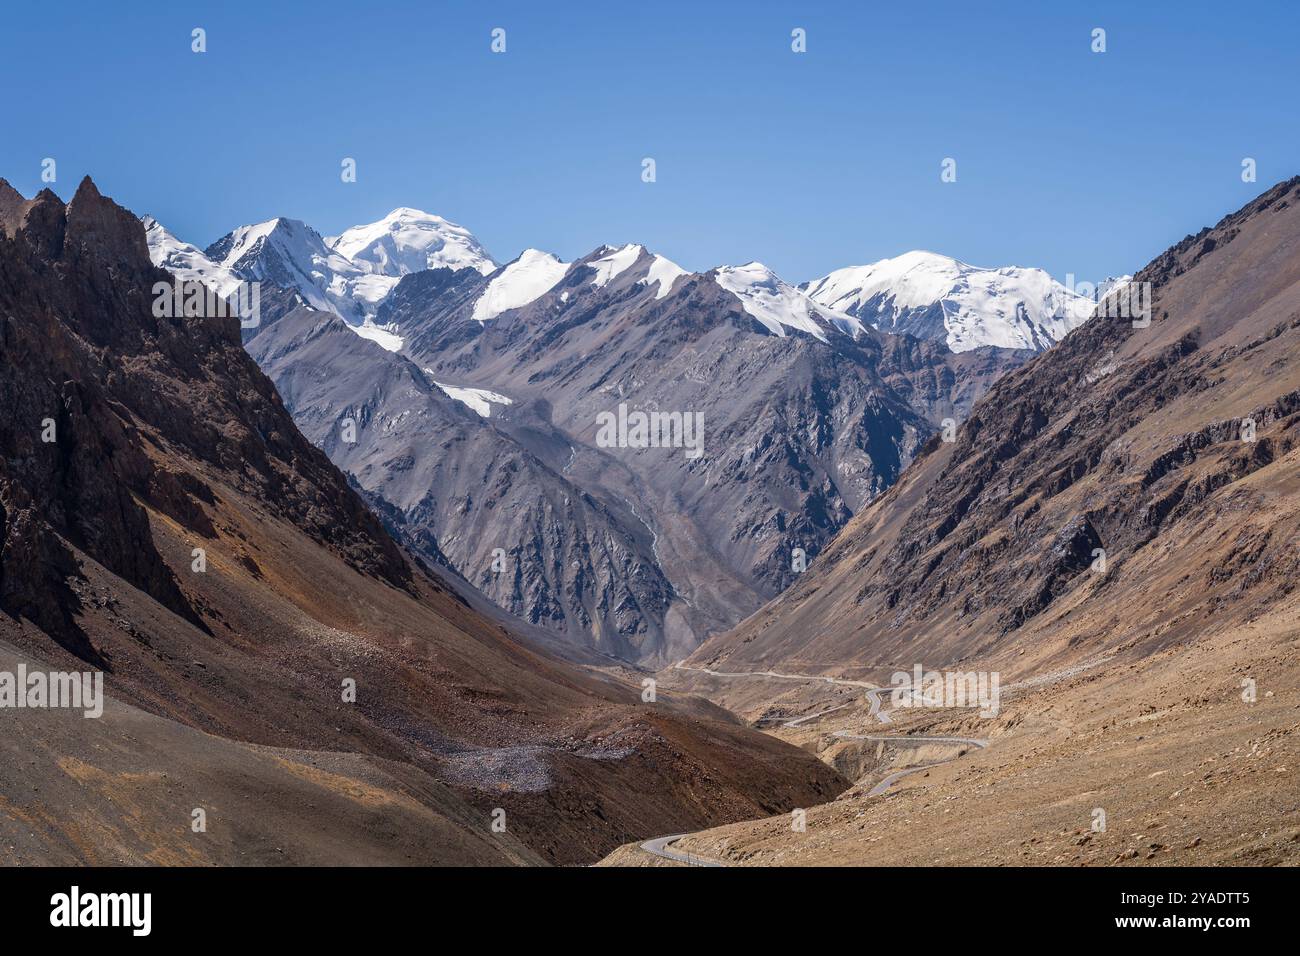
(478, 399)
(612, 265)
(380, 335)
(525, 280)
(370, 290)
(665, 272)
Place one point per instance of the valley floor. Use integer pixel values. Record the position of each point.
(1185, 770)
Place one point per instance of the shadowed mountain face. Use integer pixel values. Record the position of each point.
(804, 421)
(163, 519)
(584, 538)
(1131, 488)
(102, 393)
(455, 488)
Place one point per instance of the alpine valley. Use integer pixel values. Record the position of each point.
(612, 550)
(463, 398)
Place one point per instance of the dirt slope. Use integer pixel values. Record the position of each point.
(1151, 762)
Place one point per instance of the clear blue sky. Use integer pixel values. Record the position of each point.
(1069, 160)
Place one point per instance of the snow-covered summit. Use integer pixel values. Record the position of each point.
(651, 269)
(292, 255)
(185, 260)
(410, 240)
(614, 263)
(515, 285)
(935, 296)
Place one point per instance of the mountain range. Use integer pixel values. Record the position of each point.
(813, 400)
(1159, 445)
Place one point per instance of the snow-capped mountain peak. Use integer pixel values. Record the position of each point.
(614, 263)
(185, 260)
(242, 244)
(934, 296)
(515, 285)
(665, 272)
(651, 269)
(292, 255)
(1111, 284)
(779, 306)
(411, 240)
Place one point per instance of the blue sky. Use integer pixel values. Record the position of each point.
(1069, 160)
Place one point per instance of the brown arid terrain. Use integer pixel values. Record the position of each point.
(1186, 772)
(1116, 533)
(163, 521)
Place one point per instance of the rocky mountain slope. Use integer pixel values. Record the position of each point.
(459, 490)
(806, 414)
(164, 521)
(1167, 449)
(1113, 532)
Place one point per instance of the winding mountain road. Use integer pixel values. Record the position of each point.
(873, 691)
(662, 846)
(889, 781)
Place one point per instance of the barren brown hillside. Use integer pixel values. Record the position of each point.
(1151, 761)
